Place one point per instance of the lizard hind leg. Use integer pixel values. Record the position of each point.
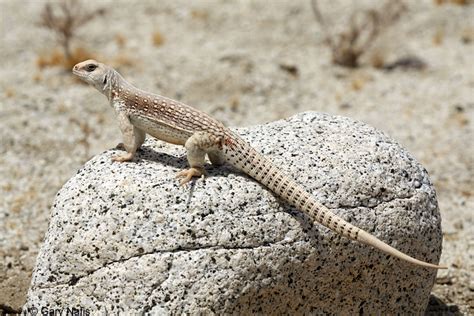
(216, 157)
(197, 146)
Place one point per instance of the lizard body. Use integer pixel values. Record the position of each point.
(140, 113)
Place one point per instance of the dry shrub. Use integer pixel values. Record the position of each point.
(53, 58)
(37, 77)
(8, 187)
(122, 60)
(234, 103)
(157, 38)
(64, 18)
(121, 40)
(359, 80)
(200, 14)
(9, 92)
(57, 58)
(358, 83)
(438, 37)
(458, 2)
(79, 54)
(377, 60)
(467, 35)
(362, 30)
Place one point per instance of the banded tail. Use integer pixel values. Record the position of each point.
(241, 155)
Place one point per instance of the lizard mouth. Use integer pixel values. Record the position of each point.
(77, 72)
(80, 74)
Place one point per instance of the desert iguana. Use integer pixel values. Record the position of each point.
(141, 113)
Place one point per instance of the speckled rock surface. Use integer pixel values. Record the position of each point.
(126, 237)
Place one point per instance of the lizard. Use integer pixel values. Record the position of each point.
(139, 113)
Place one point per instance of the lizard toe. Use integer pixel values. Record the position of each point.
(123, 158)
(188, 174)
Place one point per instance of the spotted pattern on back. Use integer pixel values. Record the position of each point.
(170, 112)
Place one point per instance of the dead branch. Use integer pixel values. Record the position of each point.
(363, 29)
(64, 19)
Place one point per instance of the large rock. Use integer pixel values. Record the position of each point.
(127, 237)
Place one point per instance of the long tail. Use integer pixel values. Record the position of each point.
(241, 155)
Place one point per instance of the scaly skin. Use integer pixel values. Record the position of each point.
(141, 113)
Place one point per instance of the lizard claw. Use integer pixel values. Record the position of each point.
(122, 158)
(189, 173)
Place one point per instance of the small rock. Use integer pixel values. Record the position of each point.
(291, 69)
(345, 106)
(444, 276)
(406, 63)
(459, 225)
(471, 285)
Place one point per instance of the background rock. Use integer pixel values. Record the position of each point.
(127, 237)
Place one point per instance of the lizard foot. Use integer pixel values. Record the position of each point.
(122, 158)
(189, 173)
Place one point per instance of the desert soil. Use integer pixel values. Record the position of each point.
(244, 62)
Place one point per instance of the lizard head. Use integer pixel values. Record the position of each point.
(94, 73)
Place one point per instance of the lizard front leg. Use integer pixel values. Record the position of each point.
(133, 137)
(197, 146)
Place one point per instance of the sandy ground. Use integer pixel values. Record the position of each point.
(228, 58)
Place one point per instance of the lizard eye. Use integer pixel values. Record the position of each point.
(91, 67)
